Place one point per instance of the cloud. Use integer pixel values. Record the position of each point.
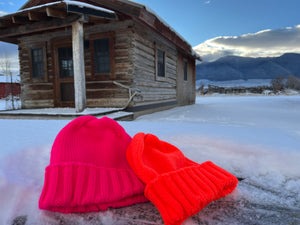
(2, 13)
(11, 3)
(10, 52)
(207, 2)
(261, 44)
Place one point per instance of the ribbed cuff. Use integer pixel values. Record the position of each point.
(76, 188)
(182, 193)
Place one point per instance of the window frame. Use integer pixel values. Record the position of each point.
(160, 78)
(185, 70)
(41, 46)
(61, 67)
(110, 37)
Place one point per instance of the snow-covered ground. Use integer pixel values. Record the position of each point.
(8, 105)
(256, 138)
(7, 79)
(235, 83)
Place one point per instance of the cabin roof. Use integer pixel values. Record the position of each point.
(67, 4)
(107, 9)
(51, 15)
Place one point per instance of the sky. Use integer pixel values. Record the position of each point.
(216, 28)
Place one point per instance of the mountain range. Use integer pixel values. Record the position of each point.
(236, 68)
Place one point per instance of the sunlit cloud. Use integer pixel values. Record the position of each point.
(261, 44)
(207, 2)
(2, 13)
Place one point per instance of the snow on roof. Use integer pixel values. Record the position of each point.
(67, 2)
(195, 54)
(82, 4)
(150, 10)
(34, 7)
(131, 2)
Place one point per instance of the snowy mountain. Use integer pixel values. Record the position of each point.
(235, 68)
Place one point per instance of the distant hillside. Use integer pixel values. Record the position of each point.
(235, 68)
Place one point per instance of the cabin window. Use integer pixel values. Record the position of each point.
(160, 63)
(37, 58)
(65, 56)
(102, 56)
(185, 70)
(102, 53)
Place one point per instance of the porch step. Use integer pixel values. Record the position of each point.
(65, 113)
(121, 116)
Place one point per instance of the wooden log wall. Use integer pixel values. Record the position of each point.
(35, 93)
(186, 90)
(100, 90)
(135, 66)
(153, 89)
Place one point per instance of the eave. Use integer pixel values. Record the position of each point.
(48, 16)
(132, 10)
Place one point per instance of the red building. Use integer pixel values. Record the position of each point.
(7, 88)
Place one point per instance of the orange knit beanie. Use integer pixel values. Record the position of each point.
(177, 186)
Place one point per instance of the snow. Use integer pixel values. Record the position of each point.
(7, 104)
(6, 79)
(150, 10)
(62, 111)
(235, 83)
(82, 4)
(68, 2)
(2, 104)
(256, 138)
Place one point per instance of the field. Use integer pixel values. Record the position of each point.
(253, 137)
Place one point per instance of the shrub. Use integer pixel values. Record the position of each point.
(277, 84)
(293, 82)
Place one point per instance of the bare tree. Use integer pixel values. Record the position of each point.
(277, 84)
(5, 65)
(293, 82)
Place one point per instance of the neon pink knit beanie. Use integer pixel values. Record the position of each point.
(88, 169)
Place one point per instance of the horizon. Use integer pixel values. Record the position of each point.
(259, 57)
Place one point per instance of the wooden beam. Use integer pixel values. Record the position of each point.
(37, 27)
(19, 19)
(10, 40)
(57, 13)
(5, 23)
(78, 65)
(35, 16)
(91, 12)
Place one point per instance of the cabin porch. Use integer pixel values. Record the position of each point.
(66, 113)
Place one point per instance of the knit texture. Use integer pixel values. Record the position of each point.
(177, 186)
(88, 169)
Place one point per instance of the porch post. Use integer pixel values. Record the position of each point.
(78, 65)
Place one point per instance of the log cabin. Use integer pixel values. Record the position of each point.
(99, 53)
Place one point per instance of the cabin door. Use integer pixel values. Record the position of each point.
(65, 95)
